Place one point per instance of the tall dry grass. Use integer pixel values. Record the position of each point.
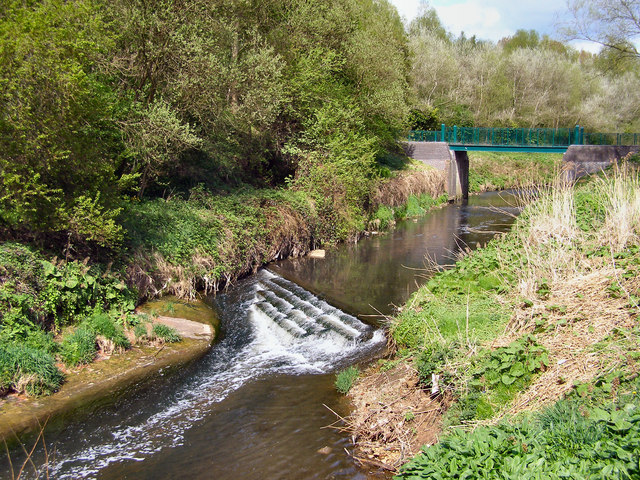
(621, 192)
(574, 242)
(555, 249)
(396, 191)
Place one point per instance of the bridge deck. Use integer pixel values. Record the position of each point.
(551, 140)
(508, 148)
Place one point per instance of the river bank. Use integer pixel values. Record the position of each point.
(414, 206)
(106, 379)
(544, 312)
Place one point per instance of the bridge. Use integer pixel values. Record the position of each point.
(550, 140)
(590, 151)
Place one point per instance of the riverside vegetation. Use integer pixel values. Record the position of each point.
(529, 347)
(170, 147)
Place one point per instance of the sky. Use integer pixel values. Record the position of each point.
(494, 19)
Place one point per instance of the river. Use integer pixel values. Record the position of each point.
(261, 403)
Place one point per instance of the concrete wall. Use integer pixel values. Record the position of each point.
(435, 154)
(581, 160)
(438, 155)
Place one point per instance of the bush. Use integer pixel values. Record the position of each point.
(345, 379)
(102, 324)
(383, 218)
(140, 331)
(166, 333)
(79, 347)
(35, 292)
(29, 370)
(430, 361)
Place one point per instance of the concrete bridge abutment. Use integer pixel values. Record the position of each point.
(581, 160)
(457, 173)
(439, 155)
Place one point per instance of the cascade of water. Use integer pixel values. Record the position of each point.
(273, 327)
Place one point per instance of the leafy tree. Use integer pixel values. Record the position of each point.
(521, 39)
(59, 140)
(428, 21)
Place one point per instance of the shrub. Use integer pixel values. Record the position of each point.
(430, 361)
(26, 369)
(166, 333)
(345, 379)
(383, 218)
(102, 324)
(38, 292)
(79, 347)
(140, 331)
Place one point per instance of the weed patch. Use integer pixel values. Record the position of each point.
(346, 378)
(566, 440)
(78, 347)
(24, 369)
(165, 333)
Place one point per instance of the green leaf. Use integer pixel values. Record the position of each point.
(600, 415)
(508, 379)
(71, 282)
(517, 370)
(48, 267)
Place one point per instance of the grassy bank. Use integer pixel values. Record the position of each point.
(498, 171)
(202, 242)
(545, 311)
(61, 314)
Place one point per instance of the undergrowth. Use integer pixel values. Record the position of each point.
(346, 378)
(204, 241)
(575, 438)
(38, 298)
(513, 327)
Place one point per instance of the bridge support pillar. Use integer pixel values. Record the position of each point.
(458, 176)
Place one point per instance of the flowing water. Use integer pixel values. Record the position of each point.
(261, 403)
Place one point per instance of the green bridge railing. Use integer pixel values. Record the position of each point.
(525, 138)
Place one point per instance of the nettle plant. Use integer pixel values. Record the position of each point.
(497, 376)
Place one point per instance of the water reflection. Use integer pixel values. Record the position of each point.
(377, 273)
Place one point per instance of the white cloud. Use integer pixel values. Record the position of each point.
(473, 18)
(585, 45)
(407, 8)
(490, 19)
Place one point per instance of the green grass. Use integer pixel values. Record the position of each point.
(103, 324)
(383, 218)
(29, 370)
(498, 171)
(140, 331)
(346, 378)
(166, 333)
(78, 347)
(458, 304)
